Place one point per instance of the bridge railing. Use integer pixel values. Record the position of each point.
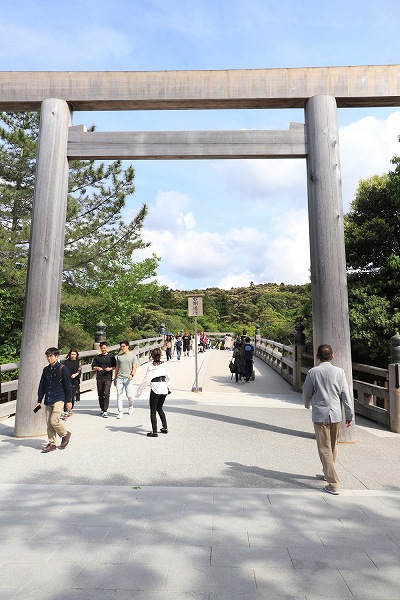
(376, 391)
(8, 389)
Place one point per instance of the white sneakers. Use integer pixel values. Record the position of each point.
(105, 415)
(121, 414)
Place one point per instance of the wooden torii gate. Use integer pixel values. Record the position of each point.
(56, 94)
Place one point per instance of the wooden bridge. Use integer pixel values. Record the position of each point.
(280, 371)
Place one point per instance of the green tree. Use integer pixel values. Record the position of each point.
(372, 236)
(372, 226)
(98, 243)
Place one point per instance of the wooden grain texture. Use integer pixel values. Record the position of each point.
(42, 301)
(327, 250)
(352, 86)
(147, 145)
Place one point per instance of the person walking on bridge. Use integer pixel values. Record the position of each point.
(56, 389)
(104, 364)
(123, 377)
(326, 390)
(158, 377)
(240, 365)
(248, 351)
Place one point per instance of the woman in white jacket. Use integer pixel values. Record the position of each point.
(158, 377)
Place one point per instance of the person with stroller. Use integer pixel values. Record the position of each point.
(239, 362)
(248, 351)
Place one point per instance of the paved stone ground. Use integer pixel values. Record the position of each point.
(227, 505)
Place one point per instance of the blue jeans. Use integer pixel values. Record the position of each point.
(124, 385)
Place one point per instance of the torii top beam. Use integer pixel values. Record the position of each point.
(352, 86)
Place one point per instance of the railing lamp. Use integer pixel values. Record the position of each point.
(299, 337)
(395, 349)
(100, 335)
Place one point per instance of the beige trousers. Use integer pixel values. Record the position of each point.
(327, 435)
(54, 424)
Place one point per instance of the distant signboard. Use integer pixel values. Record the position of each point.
(195, 306)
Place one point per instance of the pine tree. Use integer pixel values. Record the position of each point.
(98, 242)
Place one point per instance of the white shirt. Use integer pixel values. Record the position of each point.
(158, 387)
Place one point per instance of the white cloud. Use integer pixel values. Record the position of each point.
(168, 212)
(233, 280)
(366, 148)
(265, 179)
(201, 249)
(288, 254)
(194, 255)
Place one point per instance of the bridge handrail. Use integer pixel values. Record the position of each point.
(378, 400)
(142, 348)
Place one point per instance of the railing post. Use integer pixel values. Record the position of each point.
(256, 338)
(394, 384)
(298, 349)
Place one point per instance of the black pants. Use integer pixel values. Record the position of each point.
(168, 353)
(103, 390)
(248, 368)
(76, 395)
(156, 406)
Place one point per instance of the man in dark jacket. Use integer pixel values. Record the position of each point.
(104, 364)
(248, 351)
(55, 387)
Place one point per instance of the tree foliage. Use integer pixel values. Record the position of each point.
(276, 308)
(98, 242)
(372, 236)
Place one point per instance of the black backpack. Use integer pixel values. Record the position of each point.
(248, 352)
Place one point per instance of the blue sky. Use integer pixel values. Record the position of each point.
(219, 223)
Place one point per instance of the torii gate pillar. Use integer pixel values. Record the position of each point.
(46, 252)
(327, 250)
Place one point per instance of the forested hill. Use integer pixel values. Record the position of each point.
(276, 308)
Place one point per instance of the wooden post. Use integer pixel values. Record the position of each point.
(394, 397)
(297, 353)
(43, 290)
(327, 251)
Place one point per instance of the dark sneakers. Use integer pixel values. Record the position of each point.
(65, 440)
(49, 448)
(330, 490)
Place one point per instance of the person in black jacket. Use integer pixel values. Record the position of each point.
(74, 367)
(248, 351)
(104, 364)
(55, 387)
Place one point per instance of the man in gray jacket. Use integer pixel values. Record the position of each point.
(326, 389)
